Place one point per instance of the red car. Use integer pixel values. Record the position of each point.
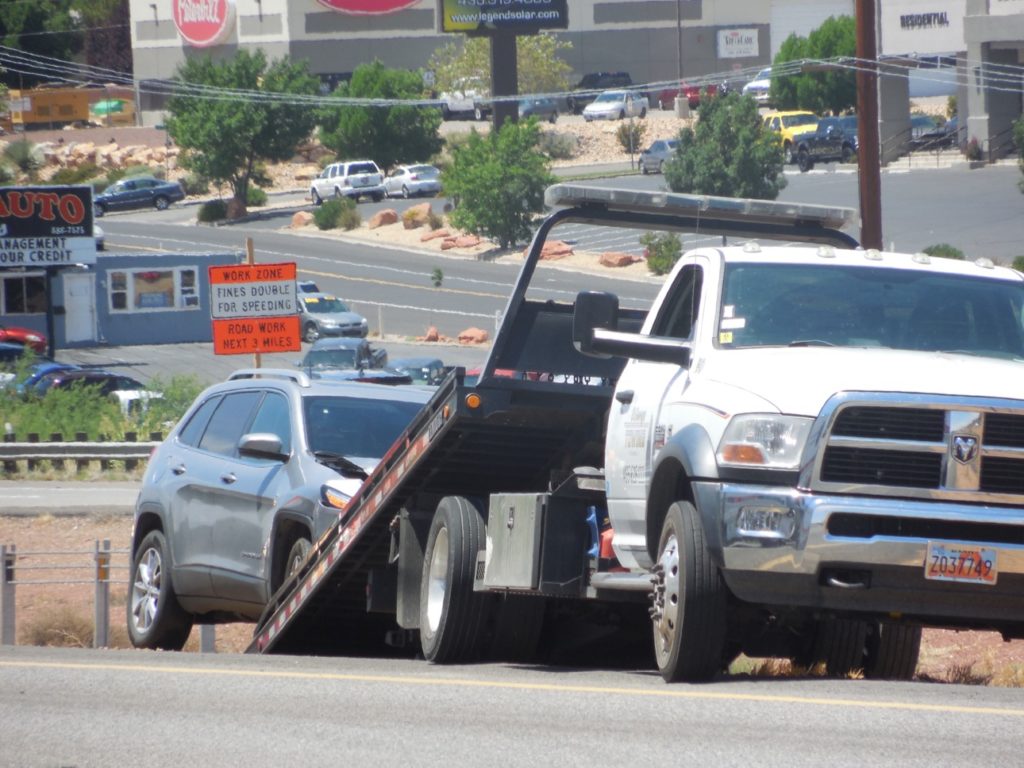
(13, 334)
(667, 97)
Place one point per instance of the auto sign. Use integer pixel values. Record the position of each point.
(46, 226)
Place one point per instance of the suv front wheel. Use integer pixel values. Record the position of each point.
(155, 619)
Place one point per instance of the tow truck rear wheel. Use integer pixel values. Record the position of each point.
(689, 601)
(452, 616)
(892, 651)
(839, 644)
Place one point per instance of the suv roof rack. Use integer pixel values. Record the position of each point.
(282, 374)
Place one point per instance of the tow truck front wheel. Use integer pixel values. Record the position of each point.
(452, 616)
(689, 601)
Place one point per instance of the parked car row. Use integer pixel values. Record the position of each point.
(34, 375)
(356, 179)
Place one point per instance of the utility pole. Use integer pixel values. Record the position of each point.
(504, 77)
(867, 127)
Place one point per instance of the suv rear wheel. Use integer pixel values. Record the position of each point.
(155, 619)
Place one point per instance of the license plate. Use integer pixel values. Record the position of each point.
(947, 561)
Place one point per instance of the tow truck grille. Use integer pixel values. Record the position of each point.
(938, 448)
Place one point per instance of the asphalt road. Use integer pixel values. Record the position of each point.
(67, 707)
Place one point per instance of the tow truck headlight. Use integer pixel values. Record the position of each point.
(764, 440)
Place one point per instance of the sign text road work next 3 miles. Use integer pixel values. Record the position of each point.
(254, 308)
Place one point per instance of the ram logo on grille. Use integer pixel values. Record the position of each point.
(965, 448)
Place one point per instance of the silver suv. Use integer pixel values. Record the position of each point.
(257, 469)
(354, 178)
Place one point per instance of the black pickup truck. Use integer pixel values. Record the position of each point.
(832, 140)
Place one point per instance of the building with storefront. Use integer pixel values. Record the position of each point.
(121, 299)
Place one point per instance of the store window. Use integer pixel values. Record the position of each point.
(23, 294)
(140, 290)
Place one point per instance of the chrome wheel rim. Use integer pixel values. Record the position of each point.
(146, 590)
(437, 584)
(666, 599)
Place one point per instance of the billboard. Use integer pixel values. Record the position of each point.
(495, 15)
(46, 226)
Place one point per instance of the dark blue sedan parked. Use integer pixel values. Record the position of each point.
(138, 192)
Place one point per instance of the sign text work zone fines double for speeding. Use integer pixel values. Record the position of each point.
(254, 309)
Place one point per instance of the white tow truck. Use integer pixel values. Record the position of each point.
(807, 451)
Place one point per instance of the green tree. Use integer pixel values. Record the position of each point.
(44, 28)
(945, 251)
(499, 182)
(386, 134)
(225, 138)
(729, 153)
(833, 89)
(538, 66)
(107, 37)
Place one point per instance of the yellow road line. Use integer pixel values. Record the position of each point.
(671, 692)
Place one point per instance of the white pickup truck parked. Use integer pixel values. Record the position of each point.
(807, 451)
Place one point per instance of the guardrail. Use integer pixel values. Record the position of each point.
(57, 451)
(102, 565)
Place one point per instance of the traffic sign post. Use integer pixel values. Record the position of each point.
(254, 309)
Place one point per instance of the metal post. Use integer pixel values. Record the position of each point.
(8, 554)
(101, 631)
(207, 638)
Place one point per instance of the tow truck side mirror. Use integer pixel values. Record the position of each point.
(593, 309)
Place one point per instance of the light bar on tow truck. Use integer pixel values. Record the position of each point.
(710, 214)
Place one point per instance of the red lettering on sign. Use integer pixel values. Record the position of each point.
(204, 22)
(25, 204)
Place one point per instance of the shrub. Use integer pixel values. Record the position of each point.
(350, 218)
(255, 196)
(213, 210)
(6, 174)
(1018, 263)
(434, 220)
(662, 250)
(558, 146)
(195, 184)
(330, 214)
(156, 171)
(24, 155)
(945, 251)
(631, 136)
(82, 173)
(973, 150)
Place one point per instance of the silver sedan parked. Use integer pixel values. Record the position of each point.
(655, 156)
(412, 181)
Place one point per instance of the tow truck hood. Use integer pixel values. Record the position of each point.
(799, 380)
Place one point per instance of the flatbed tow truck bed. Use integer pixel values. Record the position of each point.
(526, 433)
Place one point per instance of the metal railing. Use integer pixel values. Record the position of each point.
(40, 574)
(57, 451)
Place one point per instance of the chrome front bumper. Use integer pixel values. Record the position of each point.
(776, 547)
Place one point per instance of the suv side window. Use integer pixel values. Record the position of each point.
(228, 423)
(273, 417)
(193, 431)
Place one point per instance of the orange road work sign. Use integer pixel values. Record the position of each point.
(254, 308)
